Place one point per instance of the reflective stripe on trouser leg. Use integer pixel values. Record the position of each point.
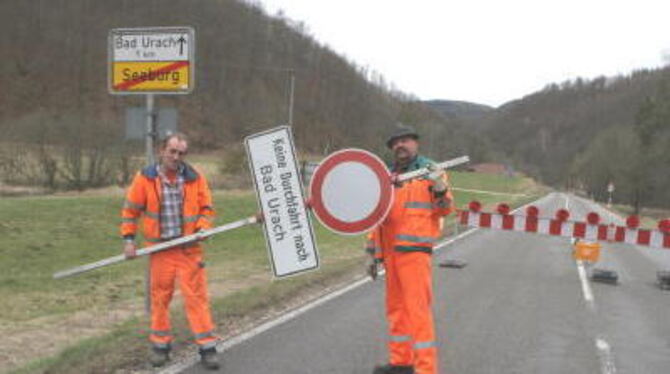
(161, 345)
(160, 339)
(208, 345)
(161, 289)
(193, 285)
(400, 341)
(414, 273)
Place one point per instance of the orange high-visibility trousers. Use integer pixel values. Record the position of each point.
(409, 296)
(186, 265)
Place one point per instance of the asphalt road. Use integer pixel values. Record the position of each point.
(520, 306)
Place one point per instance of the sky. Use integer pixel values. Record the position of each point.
(487, 51)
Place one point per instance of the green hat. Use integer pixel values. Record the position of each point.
(401, 131)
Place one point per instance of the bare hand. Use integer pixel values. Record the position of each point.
(395, 179)
(201, 238)
(439, 178)
(259, 217)
(372, 268)
(130, 250)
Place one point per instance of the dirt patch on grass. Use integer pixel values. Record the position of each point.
(46, 336)
(15, 191)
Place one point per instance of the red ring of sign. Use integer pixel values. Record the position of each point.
(385, 188)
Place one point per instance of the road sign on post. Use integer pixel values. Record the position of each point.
(288, 230)
(151, 60)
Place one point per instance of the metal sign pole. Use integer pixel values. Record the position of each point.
(425, 171)
(151, 129)
(150, 140)
(158, 247)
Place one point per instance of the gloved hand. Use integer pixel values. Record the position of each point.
(438, 176)
(372, 267)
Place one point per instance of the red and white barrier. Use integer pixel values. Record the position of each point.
(560, 225)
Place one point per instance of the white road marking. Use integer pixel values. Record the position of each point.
(604, 350)
(226, 345)
(606, 359)
(586, 287)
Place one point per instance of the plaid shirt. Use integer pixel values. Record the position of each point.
(171, 205)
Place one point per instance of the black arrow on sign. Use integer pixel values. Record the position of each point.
(181, 41)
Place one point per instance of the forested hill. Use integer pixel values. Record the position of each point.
(458, 109)
(584, 133)
(54, 71)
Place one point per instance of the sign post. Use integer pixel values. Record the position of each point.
(288, 231)
(149, 61)
(610, 189)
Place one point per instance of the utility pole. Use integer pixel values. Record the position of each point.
(291, 78)
(150, 140)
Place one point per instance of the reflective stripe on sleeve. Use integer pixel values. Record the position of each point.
(127, 204)
(424, 345)
(418, 205)
(416, 239)
(399, 338)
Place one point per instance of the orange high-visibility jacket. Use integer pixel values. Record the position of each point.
(415, 219)
(144, 196)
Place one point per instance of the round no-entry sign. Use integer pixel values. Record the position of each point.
(351, 192)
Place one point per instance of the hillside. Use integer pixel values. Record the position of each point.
(452, 109)
(584, 133)
(55, 98)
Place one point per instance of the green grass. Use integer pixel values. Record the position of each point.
(42, 235)
(492, 182)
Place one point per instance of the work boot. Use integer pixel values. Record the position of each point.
(393, 369)
(208, 359)
(159, 356)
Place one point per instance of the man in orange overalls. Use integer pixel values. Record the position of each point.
(404, 243)
(174, 200)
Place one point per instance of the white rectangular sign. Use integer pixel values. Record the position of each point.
(288, 230)
(151, 44)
